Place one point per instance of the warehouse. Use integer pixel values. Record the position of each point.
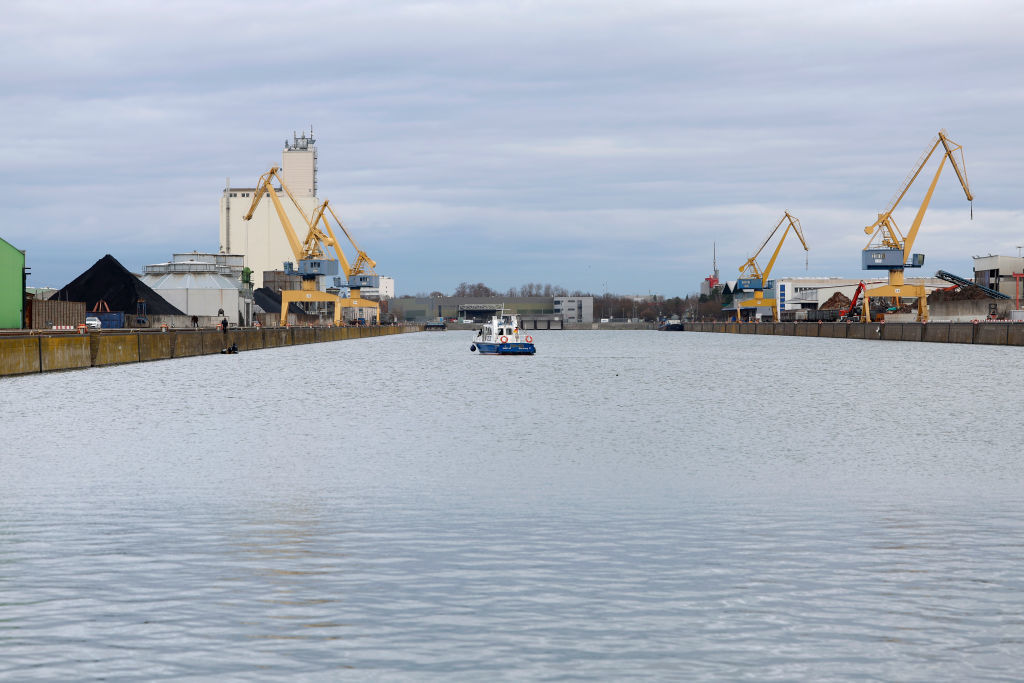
(12, 286)
(207, 286)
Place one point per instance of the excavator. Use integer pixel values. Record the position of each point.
(888, 249)
(751, 275)
(848, 314)
(310, 253)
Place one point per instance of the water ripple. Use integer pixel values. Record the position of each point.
(631, 509)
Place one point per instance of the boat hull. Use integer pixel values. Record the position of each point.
(506, 349)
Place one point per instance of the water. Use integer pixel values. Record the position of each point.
(624, 505)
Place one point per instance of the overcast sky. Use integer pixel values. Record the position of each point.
(596, 145)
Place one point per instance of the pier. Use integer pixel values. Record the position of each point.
(45, 351)
(983, 332)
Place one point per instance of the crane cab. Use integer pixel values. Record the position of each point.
(888, 259)
(312, 267)
(751, 284)
(360, 281)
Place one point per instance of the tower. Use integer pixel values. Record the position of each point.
(261, 240)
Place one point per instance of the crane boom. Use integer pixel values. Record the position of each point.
(264, 186)
(756, 279)
(751, 263)
(330, 239)
(354, 273)
(888, 249)
(361, 257)
(309, 253)
(884, 230)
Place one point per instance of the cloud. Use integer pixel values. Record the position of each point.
(578, 143)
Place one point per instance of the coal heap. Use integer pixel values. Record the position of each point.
(270, 301)
(111, 282)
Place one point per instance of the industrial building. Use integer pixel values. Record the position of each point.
(264, 246)
(808, 293)
(811, 292)
(12, 286)
(1001, 273)
(208, 286)
(383, 291)
(261, 240)
(535, 310)
(574, 309)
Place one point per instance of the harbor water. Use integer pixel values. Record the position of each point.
(623, 505)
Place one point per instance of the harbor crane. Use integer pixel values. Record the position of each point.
(357, 275)
(888, 249)
(310, 254)
(751, 275)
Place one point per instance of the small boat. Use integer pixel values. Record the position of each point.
(502, 336)
(673, 324)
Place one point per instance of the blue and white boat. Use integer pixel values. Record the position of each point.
(503, 336)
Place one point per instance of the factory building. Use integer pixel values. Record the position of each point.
(811, 292)
(12, 286)
(209, 286)
(562, 309)
(262, 240)
(574, 309)
(383, 291)
(997, 272)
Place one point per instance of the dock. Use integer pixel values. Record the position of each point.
(999, 333)
(35, 351)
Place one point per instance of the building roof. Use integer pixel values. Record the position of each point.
(189, 280)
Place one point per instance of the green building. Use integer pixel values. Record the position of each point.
(12, 287)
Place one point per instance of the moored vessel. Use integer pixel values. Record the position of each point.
(503, 336)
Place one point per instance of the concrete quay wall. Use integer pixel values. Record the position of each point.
(31, 352)
(992, 333)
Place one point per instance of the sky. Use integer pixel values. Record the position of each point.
(598, 146)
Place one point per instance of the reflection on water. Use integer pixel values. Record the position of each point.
(622, 505)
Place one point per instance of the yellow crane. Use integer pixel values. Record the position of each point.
(357, 275)
(310, 253)
(888, 249)
(751, 275)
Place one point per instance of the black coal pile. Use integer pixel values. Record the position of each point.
(108, 281)
(270, 301)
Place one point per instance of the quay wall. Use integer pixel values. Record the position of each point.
(64, 353)
(114, 349)
(19, 355)
(998, 333)
(33, 351)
